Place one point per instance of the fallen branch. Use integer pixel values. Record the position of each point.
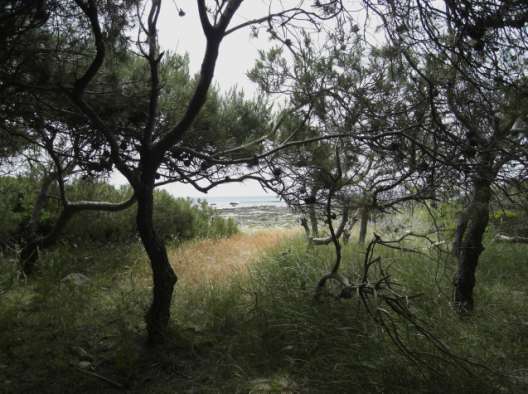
(104, 378)
(511, 239)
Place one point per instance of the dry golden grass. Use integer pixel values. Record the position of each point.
(216, 260)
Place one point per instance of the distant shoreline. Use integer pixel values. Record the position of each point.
(237, 202)
(261, 216)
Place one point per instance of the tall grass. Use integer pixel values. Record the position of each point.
(248, 322)
(276, 336)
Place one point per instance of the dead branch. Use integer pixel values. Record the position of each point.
(390, 310)
(511, 238)
(104, 378)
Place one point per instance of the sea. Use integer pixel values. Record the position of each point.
(243, 201)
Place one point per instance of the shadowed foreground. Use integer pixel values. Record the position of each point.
(243, 327)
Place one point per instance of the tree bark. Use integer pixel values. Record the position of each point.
(304, 224)
(460, 230)
(347, 232)
(313, 220)
(30, 252)
(471, 246)
(364, 218)
(511, 238)
(164, 278)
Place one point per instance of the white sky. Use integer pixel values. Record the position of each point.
(237, 54)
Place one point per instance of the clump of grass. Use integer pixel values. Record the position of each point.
(217, 260)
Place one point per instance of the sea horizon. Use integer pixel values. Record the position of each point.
(223, 202)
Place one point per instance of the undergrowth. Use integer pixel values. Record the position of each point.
(258, 329)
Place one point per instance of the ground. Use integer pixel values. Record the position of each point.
(60, 331)
(244, 319)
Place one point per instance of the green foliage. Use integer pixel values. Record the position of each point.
(271, 329)
(176, 219)
(510, 222)
(15, 208)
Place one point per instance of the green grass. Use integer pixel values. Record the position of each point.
(261, 332)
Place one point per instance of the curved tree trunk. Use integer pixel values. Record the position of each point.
(164, 278)
(30, 252)
(364, 218)
(471, 246)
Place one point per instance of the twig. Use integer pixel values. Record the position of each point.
(104, 378)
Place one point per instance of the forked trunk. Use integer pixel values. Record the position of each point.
(364, 218)
(164, 278)
(471, 246)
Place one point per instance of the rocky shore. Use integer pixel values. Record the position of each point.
(261, 217)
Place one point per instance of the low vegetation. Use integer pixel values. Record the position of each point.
(177, 219)
(246, 321)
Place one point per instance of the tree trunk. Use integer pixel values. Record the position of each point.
(29, 253)
(304, 224)
(471, 246)
(432, 186)
(364, 218)
(164, 278)
(40, 202)
(313, 216)
(511, 239)
(347, 232)
(29, 256)
(460, 231)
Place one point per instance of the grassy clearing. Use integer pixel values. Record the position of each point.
(217, 260)
(240, 327)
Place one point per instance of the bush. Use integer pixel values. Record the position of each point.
(177, 219)
(15, 208)
(511, 222)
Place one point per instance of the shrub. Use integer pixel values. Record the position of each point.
(177, 219)
(510, 221)
(15, 208)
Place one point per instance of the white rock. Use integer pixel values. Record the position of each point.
(76, 279)
(85, 365)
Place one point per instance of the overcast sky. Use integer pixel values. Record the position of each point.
(237, 54)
